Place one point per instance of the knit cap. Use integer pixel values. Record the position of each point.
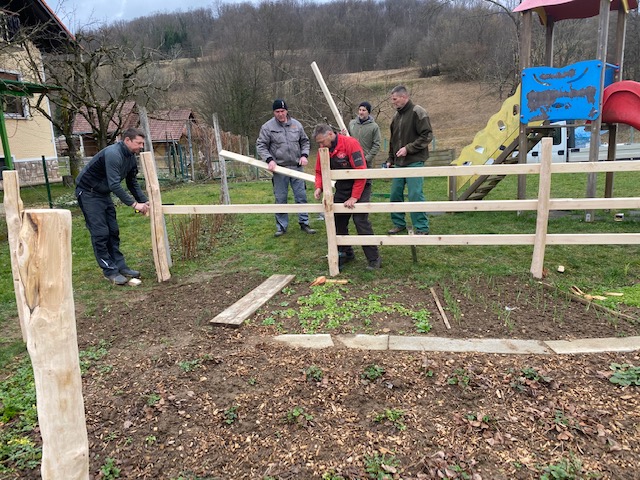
(278, 104)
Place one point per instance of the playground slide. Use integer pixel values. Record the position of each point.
(621, 103)
(501, 130)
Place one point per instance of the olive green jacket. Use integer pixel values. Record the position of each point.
(410, 128)
(368, 134)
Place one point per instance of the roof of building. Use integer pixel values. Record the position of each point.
(568, 9)
(34, 13)
(169, 124)
(128, 114)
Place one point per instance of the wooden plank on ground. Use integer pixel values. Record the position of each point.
(247, 305)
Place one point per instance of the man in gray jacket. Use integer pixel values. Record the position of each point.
(282, 142)
(364, 129)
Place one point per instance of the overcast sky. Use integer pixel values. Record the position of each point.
(78, 13)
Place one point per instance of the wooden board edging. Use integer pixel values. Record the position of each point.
(247, 305)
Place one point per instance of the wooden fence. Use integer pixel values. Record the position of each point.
(542, 204)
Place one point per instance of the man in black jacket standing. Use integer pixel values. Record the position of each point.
(95, 183)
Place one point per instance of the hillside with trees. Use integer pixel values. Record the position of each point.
(234, 59)
(244, 55)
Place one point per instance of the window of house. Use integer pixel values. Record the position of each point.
(14, 107)
(9, 25)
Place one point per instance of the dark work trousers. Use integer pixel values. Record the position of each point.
(100, 218)
(281, 192)
(360, 220)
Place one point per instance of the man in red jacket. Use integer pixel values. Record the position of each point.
(346, 153)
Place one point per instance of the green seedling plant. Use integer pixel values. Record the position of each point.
(460, 377)
(150, 440)
(565, 469)
(625, 374)
(373, 373)
(533, 375)
(231, 415)
(189, 365)
(393, 416)
(314, 374)
(331, 475)
(153, 399)
(381, 467)
(529, 377)
(92, 355)
(298, 415)
(109, 470)
(476, 420)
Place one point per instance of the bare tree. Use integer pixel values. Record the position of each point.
(97, 78)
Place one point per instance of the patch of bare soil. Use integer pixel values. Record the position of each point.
(175, 398)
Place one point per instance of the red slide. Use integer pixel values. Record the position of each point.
(621, 103)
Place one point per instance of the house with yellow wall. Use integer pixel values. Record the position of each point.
(30, 134)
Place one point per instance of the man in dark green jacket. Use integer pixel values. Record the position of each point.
(364, 129)
(408, 147)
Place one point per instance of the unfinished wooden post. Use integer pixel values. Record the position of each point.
(329, 220)
(13, 208)
(159, 239)
(44, 260)
(224, 193)
(542, 220)
(327, 95)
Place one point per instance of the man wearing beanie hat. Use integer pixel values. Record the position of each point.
(282, 142)
(364, 129)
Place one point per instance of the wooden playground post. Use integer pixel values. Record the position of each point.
(594, 145)
(329, 221)
(542, 219)
(44, 264)
(159, 241)
(13, 208)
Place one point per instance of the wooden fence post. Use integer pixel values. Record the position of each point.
(13, 208)
(224, 186)
(329, 221)
(542, 220)
(44, 261)
(159, 240)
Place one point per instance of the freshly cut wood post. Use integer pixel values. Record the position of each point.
(13, 208)
(327, 95)
(44, 261)
(225, 198)
(542, 220)
(159, 244)
(329, 221)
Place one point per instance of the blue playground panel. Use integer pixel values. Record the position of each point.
(568, 93)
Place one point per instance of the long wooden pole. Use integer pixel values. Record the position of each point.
(327, 95)
(45, 247)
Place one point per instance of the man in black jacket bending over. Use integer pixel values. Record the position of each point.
(94, 185)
